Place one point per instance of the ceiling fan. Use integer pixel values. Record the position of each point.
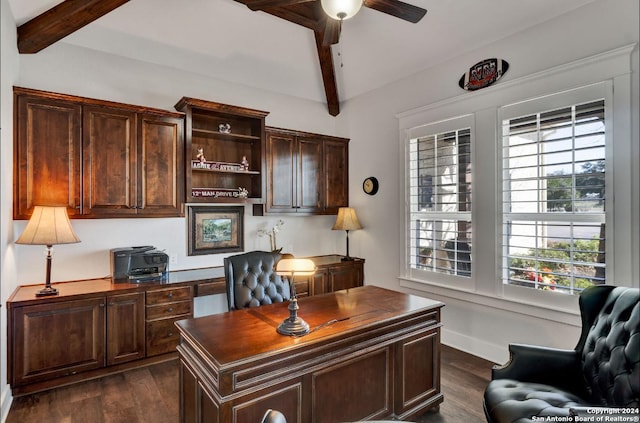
(324, 18)
(338, 10)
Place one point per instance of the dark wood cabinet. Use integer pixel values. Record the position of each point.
(160, 169)
(224, 152)
(95, 327)
(50, 340)
(48, 154)
(332, 274)
(305, 173)
(164, 307)
(125, 328)
(97, 158)
(336, 176)
(109, 153)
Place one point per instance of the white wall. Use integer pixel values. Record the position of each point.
(477, 323)
(8, 74)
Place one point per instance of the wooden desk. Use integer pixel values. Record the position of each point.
(374, 354)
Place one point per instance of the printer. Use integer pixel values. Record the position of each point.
(139, 264)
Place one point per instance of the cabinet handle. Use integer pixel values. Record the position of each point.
(170, 309)
(170, 334)
(170, 294)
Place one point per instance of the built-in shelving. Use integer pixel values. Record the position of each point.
(225, 152)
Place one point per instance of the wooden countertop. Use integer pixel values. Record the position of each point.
(82, 288)
(210, 280)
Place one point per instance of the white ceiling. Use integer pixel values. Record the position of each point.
(226, 40)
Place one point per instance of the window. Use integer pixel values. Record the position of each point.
(553, 209)
(439, 232)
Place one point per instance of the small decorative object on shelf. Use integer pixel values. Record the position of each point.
(219, 166)
(224, 128)
(200, 156)
(245, 163)
(272, 234)
(219, 193)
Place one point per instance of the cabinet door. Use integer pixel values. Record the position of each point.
(281, 167)
(109, 155)
(320, 283)
(309, 179)
(125, 328)
(336, 176)
(346, 277)
(57, 339)
(47, 154)
(159, 165)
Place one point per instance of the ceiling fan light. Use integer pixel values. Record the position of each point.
(341, 9)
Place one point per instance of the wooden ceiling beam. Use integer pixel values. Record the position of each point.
(328, 74)
(60, 21)
(268, 4)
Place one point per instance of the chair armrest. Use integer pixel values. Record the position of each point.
(549, 366)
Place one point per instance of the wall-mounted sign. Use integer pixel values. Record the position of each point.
(483, 74)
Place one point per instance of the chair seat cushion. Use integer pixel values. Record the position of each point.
(510, 401)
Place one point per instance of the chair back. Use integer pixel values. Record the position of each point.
(611, 345)
(251, 280)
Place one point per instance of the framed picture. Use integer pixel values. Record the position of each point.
(215, 230)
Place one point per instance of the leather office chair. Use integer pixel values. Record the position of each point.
(602, 371)
(251, 280)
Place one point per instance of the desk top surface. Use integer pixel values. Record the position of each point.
(248, 333)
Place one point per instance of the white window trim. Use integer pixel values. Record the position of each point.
(456, 123)
(612, 67)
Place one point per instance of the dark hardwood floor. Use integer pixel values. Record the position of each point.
(150, 395)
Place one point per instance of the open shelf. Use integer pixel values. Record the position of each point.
(219, 139)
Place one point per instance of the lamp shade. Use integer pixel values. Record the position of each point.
(48, 226)
(347, 220)
(341, 9)
(297, 267)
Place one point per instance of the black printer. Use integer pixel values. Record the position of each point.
(139, 264)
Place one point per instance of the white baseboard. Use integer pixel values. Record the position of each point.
(5, 399)
(478, 347)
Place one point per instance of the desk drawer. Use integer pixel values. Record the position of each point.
(168, 295)
(162, 336)
(163, 311)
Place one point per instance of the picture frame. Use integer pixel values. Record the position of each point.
(214, 230)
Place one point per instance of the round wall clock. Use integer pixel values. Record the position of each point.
(370, 185)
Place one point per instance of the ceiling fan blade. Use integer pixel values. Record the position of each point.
(396, 8)
(331, 33)
(268, 4)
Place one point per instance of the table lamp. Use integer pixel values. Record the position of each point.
(48, 226)
(347, 220)
(294, 325)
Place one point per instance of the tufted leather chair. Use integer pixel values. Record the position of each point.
(251, 280)
(602, 371)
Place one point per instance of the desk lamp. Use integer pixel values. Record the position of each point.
(347, 220)
(294, 325)
(48, 226)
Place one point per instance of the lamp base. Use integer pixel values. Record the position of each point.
(293, 327)
(347, 258)
(47, 291)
